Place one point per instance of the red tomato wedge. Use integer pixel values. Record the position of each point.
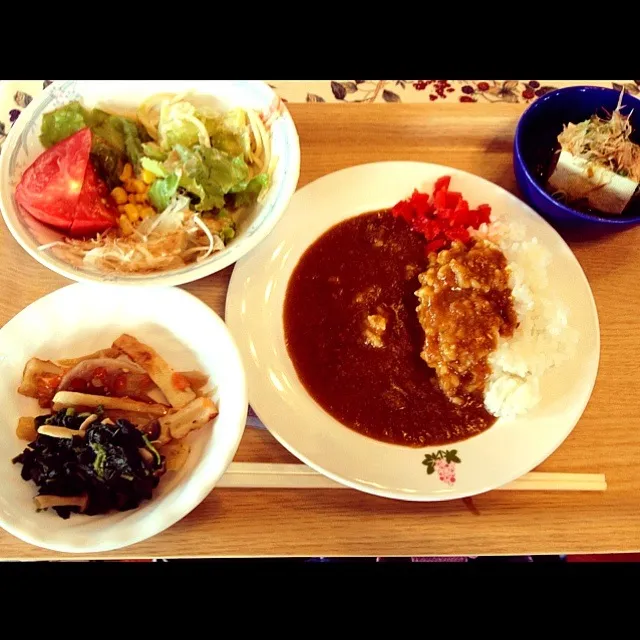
(50, 187)
(95, 211)
(62, 189)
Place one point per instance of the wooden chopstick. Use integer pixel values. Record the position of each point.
(258, 475)
(547, 481)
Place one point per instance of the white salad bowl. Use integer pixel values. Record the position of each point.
(184, 331)
(23, 146)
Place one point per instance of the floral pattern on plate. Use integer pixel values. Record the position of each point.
(444, 462)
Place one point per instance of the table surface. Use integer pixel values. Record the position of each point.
(233, 522)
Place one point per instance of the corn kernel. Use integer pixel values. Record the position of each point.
(119, 195)
(138, 186)
(121, 208)
(125, 225)
(129, 185)
(145, 212)
(141, 198)
(147, 176)
(127, 172)
(132, 212)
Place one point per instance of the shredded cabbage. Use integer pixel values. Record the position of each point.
(179, 125)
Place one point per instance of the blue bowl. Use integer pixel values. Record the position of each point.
(536, 140)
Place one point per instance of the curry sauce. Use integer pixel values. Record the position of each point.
(354, 337)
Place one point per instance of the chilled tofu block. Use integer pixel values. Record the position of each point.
(579, 179)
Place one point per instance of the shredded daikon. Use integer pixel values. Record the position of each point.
(44, 247)
(604, 141)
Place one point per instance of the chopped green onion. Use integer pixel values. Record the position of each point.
(101, 456)
(152, 449)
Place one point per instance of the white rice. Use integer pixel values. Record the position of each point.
(544, 338)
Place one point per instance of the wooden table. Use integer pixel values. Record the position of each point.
(348, 523)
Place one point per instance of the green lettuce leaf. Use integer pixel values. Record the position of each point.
(222, 224)
(154, 167)
(177, 127)
(131, 134)
(226, 171)
(228, 132)
(121, 133)
(209, 174)
(108, 161)
(209, 194)
(112, 135)
(152, 150)
(250, 193)
(63, 122)
(101, 126)
(161, 191)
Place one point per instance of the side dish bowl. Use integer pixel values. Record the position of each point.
(23, 146)
(535, 140)
(184, 331)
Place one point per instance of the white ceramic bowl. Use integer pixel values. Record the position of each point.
(79, 319)
(22, 147)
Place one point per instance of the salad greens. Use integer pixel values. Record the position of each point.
(154, 167)
(162, 191)
(203, 153)
(62, 123)
(228, 132)
(250, 193)
(116, 139)
(209, 153)
(227, 226)
(208, 174)
(152, 150)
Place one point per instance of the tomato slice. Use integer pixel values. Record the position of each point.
(50, 188)
(63, 189)
(96, 211)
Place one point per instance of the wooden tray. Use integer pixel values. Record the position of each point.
(239, 522)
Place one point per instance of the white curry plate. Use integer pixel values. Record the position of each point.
(80, 319)
(506, 451)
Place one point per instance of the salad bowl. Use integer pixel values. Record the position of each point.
(123, 97)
